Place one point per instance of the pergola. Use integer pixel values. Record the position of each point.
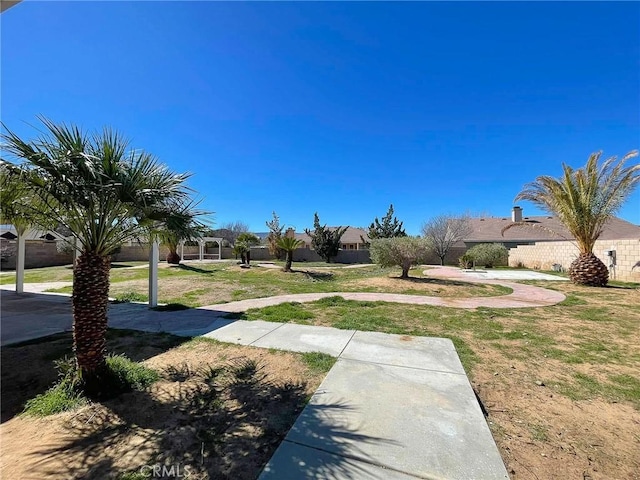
(154, 258)
(201, 251)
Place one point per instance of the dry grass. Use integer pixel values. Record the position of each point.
(220, 411)
(561, 384)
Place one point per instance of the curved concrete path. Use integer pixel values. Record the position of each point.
(522, 296)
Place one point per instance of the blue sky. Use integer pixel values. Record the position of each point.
(339, 108)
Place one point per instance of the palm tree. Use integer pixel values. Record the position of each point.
(584, 200)
(242, 246)
(288, 244)
(178, 223)
(103, 193)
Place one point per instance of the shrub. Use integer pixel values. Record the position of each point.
(466, 261)
(404, 252)
(489, 254)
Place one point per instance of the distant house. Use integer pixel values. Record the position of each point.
(353, 239)
(488, 230)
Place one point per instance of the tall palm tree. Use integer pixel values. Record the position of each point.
(288, 244)
(102, 192)
(584, 200)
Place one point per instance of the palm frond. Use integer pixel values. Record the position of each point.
(584, 200)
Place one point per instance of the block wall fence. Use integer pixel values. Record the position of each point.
(543, 255)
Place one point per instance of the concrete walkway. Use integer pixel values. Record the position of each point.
(392, 407)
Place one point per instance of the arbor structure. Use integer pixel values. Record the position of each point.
(390, 226)
(403, 252)
(289, 245)
(179, 222)
(104, 193)
(444, 231)
(325, 241)
(584, 200)
(275, 234)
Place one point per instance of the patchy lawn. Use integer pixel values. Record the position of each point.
(219, 410)
(212, 283)
(561, 384)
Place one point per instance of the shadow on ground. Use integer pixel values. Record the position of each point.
(221, 422)
(27, 368)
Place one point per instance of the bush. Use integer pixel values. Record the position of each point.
(465, 261)
(489, 254)
(404, 252)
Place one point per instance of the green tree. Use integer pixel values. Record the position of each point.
(584, 200)
(390, 226)
(275, 234)
(488, 254)
(289, 245)
(243, 245)
(403, 252)
(325, 242)
(103, 193)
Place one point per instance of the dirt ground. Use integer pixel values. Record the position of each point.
(219, 411)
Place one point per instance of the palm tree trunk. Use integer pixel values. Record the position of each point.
(90, 301)
(287, 267)
(589, 270)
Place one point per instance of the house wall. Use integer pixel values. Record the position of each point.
(543, 255)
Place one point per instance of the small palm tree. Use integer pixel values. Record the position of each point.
(104, 194)
(242, 246)
(288, 244)
(178, 223)
(584, 200)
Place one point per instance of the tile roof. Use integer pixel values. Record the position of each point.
(488, 229)
(351, 235)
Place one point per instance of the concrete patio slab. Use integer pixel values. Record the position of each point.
(300, 462)
(404, 351)
(512, 275)
(424, 423)
(242, 331)
(306, 338)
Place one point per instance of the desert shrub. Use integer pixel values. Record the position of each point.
(403, 252)
(489, 254)
(465, 261)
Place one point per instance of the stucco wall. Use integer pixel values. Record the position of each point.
(543, 255)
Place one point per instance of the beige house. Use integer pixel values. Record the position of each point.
(618, 246)
(353, 238)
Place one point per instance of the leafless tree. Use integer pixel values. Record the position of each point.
(445, 230)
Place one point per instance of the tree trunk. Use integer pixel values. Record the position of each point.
(287, 267)
(248, 257)
(173, 258)
(589, 270)
(442, 260)
(90, 301)
(405, 272)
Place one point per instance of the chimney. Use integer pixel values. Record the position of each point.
(516, 214)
